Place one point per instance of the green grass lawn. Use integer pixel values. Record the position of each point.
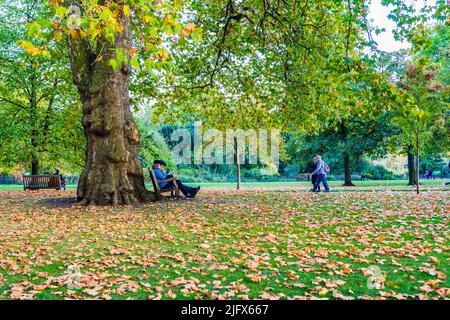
(232, 185)
(256, 243)
(368, 183)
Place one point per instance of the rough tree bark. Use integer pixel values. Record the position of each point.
(417, 163)
(34, 166)
(347, 173)
(112, 173)
(238, 166)
(411, 167)
(34, 150)
(33, 117)
(346, 157)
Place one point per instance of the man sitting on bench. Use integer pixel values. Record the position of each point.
(61, 178)
(159, 167)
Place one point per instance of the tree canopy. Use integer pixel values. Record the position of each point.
(310, 68)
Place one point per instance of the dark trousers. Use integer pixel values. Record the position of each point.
(321, 178)
(313, 181)
(186, 190)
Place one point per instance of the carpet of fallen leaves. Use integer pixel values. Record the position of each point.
(252, 244)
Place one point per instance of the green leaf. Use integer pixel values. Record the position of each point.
(61, 11)
(114, 64)
(135, 62)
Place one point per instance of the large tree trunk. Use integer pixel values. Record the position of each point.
(34, 166)
(34, 155)
(34, 132)
(411, 167)
(417, 164)
(238, 176)
(347, 172)
(112, 173)
(238, 166)
(346, 156)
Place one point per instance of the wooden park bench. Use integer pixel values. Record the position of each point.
(36, 182)
(174, 190)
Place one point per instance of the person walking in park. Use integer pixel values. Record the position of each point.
(159, 167)
(321, 170)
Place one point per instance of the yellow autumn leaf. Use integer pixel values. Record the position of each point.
(162, 54)
(29, 47)
(94, 34)
(73, 33)
(57, 36)
(132, 51)
(168, 21)
(147, 19)
(126, 10)
(323, 292)
(191, 27)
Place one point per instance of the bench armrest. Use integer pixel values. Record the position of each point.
(167, 180)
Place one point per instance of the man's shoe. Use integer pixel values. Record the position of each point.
(194, 193)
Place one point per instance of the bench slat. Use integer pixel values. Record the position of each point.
(35, 182)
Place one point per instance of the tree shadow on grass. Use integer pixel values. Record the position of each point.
(63, 202)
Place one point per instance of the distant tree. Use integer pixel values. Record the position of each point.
(153, 144)
(393, 66)
(422, 106)
(39, 109)
(344, 145)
